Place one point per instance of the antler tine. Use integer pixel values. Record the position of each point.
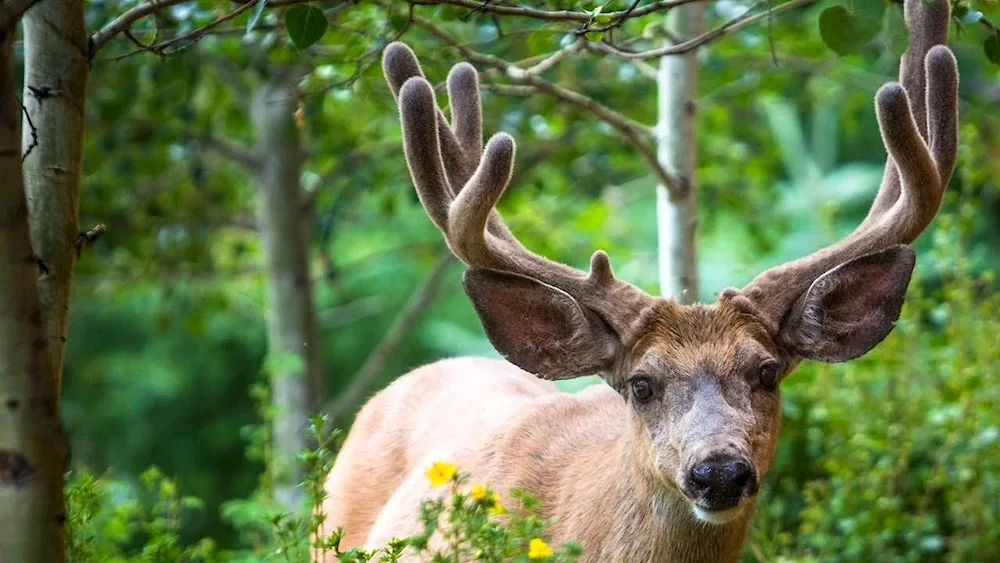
(918, 123)
(460, 144)
(439, 155)
(418, 114)
(460, 154)
(928, 26)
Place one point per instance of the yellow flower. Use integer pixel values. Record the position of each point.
(538, 549)
(478, 492)
(495, 506)
(440, 472)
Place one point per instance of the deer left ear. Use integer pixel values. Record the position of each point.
(851, 308)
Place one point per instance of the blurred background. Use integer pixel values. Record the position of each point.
(894, 456)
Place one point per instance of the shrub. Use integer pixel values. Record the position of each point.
(110, 522)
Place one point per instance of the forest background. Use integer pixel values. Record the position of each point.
(168, 362)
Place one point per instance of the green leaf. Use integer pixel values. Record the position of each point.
(255, 16)
(897, 37)
(992, 48)
(847, 32)
(306, 24)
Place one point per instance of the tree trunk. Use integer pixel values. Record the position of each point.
(676, 213)
(56, 63)
(292, 333)
(32, 453)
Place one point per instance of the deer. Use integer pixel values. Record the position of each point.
(664, 460)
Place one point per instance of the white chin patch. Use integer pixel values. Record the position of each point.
(717, 516)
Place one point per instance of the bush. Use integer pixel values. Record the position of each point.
(893, 457)
(110, 522)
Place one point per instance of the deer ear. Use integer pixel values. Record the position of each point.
(851, 308)
(540, 328)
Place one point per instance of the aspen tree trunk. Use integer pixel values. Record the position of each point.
(677, 217)
(292, 332)
(56, 64)
(32, 454)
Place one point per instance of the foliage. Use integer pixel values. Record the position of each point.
(891, 457)
(144, 526)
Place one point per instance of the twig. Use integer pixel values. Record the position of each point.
(12, 10)
(615, 21)
(555, 58)
(555, 15)
(118, 25)
(736, 24)
(90, 237)
(365, 378)
(240, 154)
(509, 89)
(101, 37)
(635, 133)
(197, 34)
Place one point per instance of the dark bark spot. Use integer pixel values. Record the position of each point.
(7, 153)
(15, 469)
(61, 519)
(12, 404)
(300, 282)
(43, 268)
(40, 93)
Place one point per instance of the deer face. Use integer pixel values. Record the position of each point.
(702, 392)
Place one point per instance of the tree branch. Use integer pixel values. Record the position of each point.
(118, 25)
(556, 15)
(736, 24)
(238, 153)
(122, 23)
(366, 376)
(12, 10)
(635, 133)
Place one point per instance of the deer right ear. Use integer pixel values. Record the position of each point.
(851, 308)
(538, 327)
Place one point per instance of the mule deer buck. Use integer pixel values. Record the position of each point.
(665, 461)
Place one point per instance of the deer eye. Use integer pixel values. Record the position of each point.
(769, 375)
(641, 389)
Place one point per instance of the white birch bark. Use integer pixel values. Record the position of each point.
(56, 63)
(32, 453)
(677, 84)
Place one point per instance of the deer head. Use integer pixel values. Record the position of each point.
(701, 382)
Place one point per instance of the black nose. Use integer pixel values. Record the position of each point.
(721, 482)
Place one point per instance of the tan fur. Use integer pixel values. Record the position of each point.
(588, 457)
(667, 471)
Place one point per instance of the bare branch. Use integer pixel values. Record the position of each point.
(122, 23)
(12, 10)
(736, 24)
(635, 133)
(118, 25)
(509, 89)
(555, 58)
(557, 15)
(365, 378)
(90, 237)
(238, 153)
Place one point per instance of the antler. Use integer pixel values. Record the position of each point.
(918, 122)
(441, 157)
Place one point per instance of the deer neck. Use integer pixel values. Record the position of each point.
(623, 511)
